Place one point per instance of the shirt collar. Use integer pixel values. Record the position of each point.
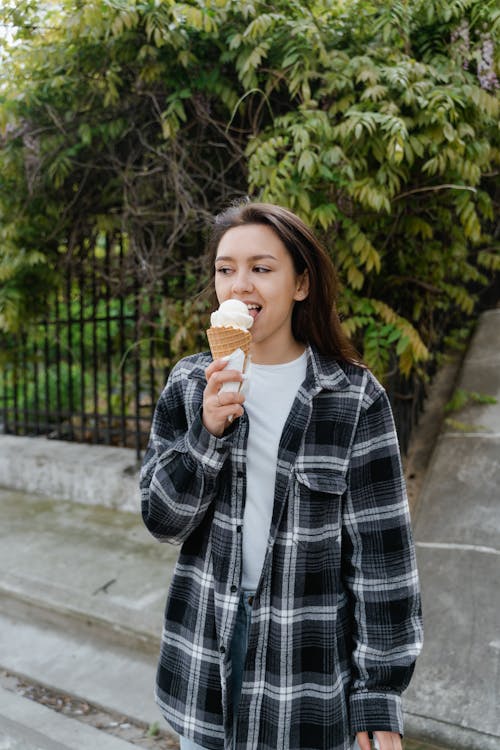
(324, 373)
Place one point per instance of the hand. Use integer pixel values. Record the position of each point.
(386, 740)
(219, 408)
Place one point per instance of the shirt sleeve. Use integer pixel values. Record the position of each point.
(180, 470)
(380, 574)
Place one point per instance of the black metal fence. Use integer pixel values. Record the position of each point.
(93, 369)
(407, 398)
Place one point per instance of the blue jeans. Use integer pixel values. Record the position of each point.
(239, 646)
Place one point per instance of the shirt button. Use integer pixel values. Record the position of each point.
(222, 649)
(234, 589)
(238, 529)
(239, 474)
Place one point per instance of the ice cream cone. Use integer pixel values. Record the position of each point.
(224, 340)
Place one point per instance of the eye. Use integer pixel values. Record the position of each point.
(261, 269)
(223, 270)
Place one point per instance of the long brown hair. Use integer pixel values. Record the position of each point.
(314, 320)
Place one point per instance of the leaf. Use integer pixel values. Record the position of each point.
(462, 398)
(153, 730)
(306, 162)
(85, 134)
(355, 277)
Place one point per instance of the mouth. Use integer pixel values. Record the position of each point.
(254, 309)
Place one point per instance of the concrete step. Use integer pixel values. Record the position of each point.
(110, 676)
(82, 592)
(26, 725)
(83, 562)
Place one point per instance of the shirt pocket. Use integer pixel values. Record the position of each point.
(317, 507)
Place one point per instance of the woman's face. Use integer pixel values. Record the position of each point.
(253, 265)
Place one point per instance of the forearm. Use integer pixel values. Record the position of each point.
(179, 481)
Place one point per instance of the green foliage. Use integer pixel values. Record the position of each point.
(456, 425)
(462, 398)
(376, 121)
(153, 730)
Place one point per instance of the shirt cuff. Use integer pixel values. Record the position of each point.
(206, 449)
(376, 712)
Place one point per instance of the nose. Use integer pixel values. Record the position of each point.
(242, 282)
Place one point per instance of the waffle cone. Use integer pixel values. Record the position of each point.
(224, 340)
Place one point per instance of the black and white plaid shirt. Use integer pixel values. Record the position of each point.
(336, 622)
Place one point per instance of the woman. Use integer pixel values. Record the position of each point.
(293, 619)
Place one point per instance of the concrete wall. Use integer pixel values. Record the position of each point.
(91, 474)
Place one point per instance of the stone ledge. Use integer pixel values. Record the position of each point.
(90, 474)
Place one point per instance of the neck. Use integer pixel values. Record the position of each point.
(262, 355)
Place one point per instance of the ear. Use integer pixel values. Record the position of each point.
(302, 286)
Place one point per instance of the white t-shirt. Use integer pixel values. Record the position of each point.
(272, 390)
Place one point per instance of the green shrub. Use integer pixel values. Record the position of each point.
(376, 121)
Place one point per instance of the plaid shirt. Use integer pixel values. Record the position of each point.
(336, 623)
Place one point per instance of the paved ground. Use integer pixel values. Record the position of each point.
(26, 725)
(82, 593)
(455, 695)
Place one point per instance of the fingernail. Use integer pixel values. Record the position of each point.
(226, 358)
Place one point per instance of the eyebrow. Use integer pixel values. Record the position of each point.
(251, 258)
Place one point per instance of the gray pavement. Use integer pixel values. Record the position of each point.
(82, 587)
(82, 592)
(86, 562)
(26, 725)
(454, 698)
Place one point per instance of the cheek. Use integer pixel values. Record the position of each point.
(222, 288)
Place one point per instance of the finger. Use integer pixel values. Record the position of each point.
(363, 740)
(387, 741)
(229, 397)
(218, 378)
(217, 364)
(230, 412)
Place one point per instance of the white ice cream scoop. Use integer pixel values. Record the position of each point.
(233, 313)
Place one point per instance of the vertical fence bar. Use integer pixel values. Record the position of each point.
(57, 324)
(165, 332)
(122, 349)
(5, 397)
(24, 382)
(137, 366)
(69, 341)
(47, 372)
(107, 296)
(36, 386)
(153, 347)
(81, 330)
(95, 363)
(15, 382)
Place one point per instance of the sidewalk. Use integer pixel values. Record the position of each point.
(454, 698)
